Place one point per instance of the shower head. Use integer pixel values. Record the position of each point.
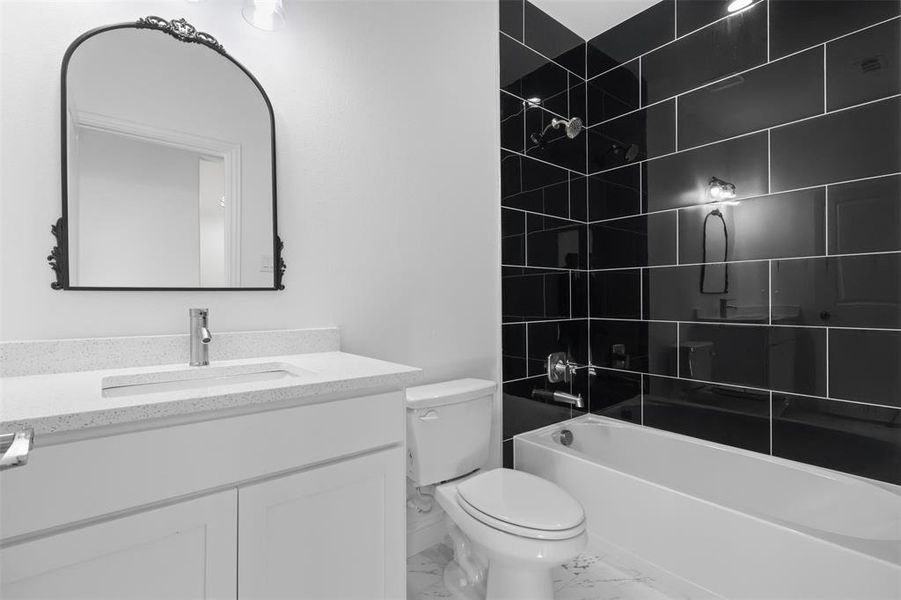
(629, 153)
(572, 127)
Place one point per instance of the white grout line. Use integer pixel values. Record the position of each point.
(641, 395)
(526, 105)
(769, 162)
(749, 260)
(526, 333)
(825, 103)
(734, 324)
(742, 199)
(640, 293)
(771, 421)
(523, 44)
(827, 362)
(769, 37)
(769, 271)
(522, 154)
(678, 353)
(826, 219)
(537, 268)
(676, 126)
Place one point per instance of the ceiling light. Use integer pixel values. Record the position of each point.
(264, 14)
(532, 102)
(737, 5)
(717, 189)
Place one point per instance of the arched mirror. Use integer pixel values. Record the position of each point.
(168, 165)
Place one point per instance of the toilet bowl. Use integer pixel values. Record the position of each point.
(516, 526)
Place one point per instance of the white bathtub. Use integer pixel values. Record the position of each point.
(735, 523)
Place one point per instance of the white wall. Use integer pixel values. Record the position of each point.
(387, 125)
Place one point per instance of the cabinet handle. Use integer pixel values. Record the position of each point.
(15, 448)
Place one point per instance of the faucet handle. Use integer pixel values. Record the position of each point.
(198, 312)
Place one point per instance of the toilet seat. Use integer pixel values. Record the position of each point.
(521, 504)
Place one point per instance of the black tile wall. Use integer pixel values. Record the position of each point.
(864, 66)
(854, 438)
(726, 415)
(850, 144)
(776, 93)
(681, 179)
(863, 366)
(724, 48)
(845, 291)
(798, 24)
(642, 33)
(683, 311)
(864, 216)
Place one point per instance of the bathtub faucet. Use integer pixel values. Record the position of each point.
(559, 397)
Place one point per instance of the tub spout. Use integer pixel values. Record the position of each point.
(559, 397)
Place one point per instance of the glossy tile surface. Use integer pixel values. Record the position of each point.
(569, 336)
(615, 394)
(682, 179)
(535, 294)
(674, 293)
(637, 35)
(854, 143)
(692, 14)
(863, 366)
(534, 186)
(798, 24)
(633, 241)
(634, 346)
(864, 66)
(513, 237)
(553, 40)
(613, 93)
(523, 413)
(853, 438)
(776, 93)
(724, 48)
(615, 294)
(726, 415)
(555, 146)
(530, 76)
(511, 16)
(865, 216)
(578, 197)
(615, 193)
(638, 135)
(555, 243)
(846, 291)
(774, 226)
(513, 123)
(791, 359)
(513, 351)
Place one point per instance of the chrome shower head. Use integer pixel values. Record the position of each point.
(572, 127)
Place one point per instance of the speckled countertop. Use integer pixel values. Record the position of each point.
(66, 402)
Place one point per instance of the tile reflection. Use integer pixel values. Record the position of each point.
(535, 294)
(634, 346)
(615, 193)
(865, 216)
(613, 93)
(553, 40)
(513, 344)
(523, 413)
(634, 241)
(558, 336)
(863, 366)
(864, 66)
(615, 395)
(642, 134)
(555, 243)
(637, 35)
(529, 76)
(534, 186)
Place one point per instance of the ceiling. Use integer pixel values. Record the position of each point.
(589, 18)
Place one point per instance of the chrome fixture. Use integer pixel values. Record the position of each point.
(15, 448)
(572, 127)
(725, 306)
(717, 189)
(200, 336)
(559, 397)
(565, 437)
(559, 367)
(268, 15)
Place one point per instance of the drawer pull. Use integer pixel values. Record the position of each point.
(15, 448)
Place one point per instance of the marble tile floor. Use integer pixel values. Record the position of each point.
(590, 576)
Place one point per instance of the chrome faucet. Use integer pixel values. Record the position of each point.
(200, 336)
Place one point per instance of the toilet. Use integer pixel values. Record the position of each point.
(509, 528)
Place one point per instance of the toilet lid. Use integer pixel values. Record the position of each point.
(523, 500)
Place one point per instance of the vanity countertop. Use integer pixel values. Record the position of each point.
(68, 402)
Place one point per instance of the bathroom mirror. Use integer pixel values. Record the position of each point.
(168, 165)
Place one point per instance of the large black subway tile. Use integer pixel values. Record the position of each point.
(638, 135)
(682, 179)
(512, 123)
(850, 144)
(791, 359)
(775, 226)
(844, 291)
(864, 66)
(523, 413)
(511, 17)
(864, 366)
(532, 77)
(675, 293)
(555, 243)
(865, 216)
(853, 438)
(615, 294)
(634, 346)
(693, 14)
(613, 93)
(552, 144)
(615, 394)
(513, 237)
(615, 193)
(726, 415)
(534, 186)
(642, 33)
(546, 35)
(513, 344)
(724, 48)
(633, 241)
(569, 336)
(799, 24)
(535, 294)
(577, 98)
(579, 302)
(578, 197)
(776, 93)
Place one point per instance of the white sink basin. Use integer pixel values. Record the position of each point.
(199, 378)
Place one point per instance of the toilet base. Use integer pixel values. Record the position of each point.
(513, 582)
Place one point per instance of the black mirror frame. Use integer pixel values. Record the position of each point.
(182, 31)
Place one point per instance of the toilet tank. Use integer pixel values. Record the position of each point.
(448, 429)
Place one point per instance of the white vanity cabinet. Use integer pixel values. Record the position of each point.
(301, 502)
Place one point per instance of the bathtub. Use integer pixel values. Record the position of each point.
(733, 523)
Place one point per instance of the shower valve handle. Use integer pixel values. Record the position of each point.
(559, 367)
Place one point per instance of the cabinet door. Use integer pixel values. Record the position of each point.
(184, 550)
(335, 531)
